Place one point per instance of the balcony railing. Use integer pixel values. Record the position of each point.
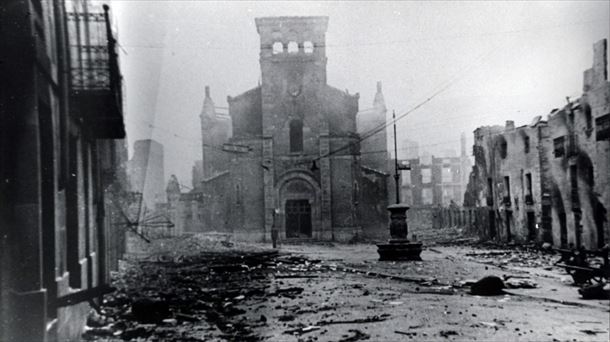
(96, 90)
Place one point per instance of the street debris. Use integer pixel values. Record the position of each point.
(593, 332)
(595, 291)
(357, 336)
(368, 319)
(302, 330)
(488, 286)
(519, 283)
(408, 333)
(447, 333)
(242, 294)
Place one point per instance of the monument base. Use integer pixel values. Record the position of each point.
(399, 250)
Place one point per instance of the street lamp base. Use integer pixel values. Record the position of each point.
(399, 250)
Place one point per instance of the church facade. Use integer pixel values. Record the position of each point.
(293, 160)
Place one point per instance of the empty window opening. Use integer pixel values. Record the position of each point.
(426, 176)
(507, 190)
(447, 175)
(296, 136)
(490, 188)
(278, 47)
(427, 197)
(529, 198)
(526, 144)
(293, 47)
(588, 120)
(308, 47)
(503, 149)
(559, 147)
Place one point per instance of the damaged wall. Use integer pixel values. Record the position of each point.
(548, 181)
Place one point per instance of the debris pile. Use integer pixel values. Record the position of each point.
(514, 258)
(166, 299)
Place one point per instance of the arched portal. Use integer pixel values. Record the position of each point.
(298, 203)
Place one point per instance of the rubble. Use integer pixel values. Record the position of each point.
(488, 286)
(595, 291)
(257, 294)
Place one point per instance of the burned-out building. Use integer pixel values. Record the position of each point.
(549, 181)
(437, 182)
(61, 125)
(507, 167)
(294, 152)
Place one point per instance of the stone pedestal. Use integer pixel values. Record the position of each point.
(399, 248)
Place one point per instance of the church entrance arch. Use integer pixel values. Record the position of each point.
(298, 201)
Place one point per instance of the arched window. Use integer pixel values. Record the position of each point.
(293, 47)
(296, 136)
(278, 47)
(308, 47)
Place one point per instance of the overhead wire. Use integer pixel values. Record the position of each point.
(395, 42)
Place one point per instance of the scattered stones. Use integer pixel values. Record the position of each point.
(447, 333)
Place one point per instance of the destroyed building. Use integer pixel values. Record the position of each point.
(293, 153)
(437, 181)
(62, 156)
(549, 181)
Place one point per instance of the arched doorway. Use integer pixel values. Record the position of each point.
(298, 201)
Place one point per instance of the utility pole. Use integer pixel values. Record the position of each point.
(396, 174)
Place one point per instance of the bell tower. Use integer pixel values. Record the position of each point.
(293, 49)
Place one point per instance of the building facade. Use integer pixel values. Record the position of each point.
(293, 154)
(441, 181)
(549, 181)
(61, 122)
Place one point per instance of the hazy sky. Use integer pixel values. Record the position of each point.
(492, 61)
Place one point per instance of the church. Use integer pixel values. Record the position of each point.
(292, 156)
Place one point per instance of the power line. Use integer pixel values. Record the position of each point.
(383, 126)
(395, 42)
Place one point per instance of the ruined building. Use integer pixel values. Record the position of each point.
(294, 155)
(549, 181)
(146, 172)
(61, 125)
(441, 181)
